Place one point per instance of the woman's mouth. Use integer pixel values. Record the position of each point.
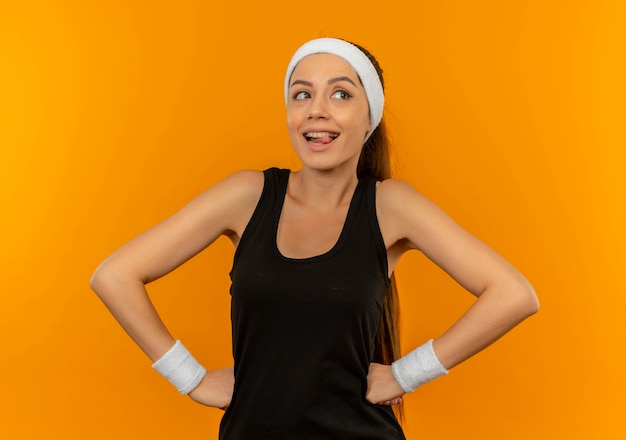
(320, 137)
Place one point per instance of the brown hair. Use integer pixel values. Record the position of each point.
(375, 161)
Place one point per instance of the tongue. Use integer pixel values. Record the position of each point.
(322, 140)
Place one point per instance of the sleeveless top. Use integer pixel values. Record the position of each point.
(303, 329)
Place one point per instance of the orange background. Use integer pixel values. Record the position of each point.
(509, 115)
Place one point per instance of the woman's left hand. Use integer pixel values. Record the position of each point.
(382, 386)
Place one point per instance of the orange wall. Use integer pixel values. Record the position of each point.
(509, 115)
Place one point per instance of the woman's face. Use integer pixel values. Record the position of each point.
(327, 112)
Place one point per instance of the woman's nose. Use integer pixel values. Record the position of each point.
(317, 109)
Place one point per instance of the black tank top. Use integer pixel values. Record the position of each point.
(303, 329)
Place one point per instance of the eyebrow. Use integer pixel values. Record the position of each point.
(330, 81)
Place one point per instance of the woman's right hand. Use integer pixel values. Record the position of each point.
(215, 389)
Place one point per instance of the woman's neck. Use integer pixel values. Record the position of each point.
(322, 189)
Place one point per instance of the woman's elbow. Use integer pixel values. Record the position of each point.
(526, 300)
(105, 279)
(99, 279)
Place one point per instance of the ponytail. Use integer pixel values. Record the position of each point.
(375, 162)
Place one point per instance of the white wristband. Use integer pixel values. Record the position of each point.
(418, 367)
(180, 368)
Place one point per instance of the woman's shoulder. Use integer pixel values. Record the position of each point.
(245, 178)
(403, 209)
(228, 204)
(243, 184)
(253, 180)
(395, 193)
(231, 196)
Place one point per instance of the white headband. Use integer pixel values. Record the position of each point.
(359, 62)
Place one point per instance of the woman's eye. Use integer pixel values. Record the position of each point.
(301, 95)
(341, 94)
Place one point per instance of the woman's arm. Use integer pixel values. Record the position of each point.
(504, 297)
(120, 280)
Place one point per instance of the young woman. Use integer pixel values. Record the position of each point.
(313, 297)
